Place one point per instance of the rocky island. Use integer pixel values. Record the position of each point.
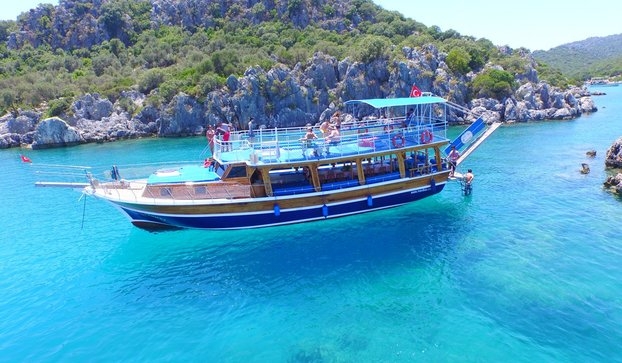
(283, 92)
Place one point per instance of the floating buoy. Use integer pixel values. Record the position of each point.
(398, 141)
(325, 210)
(370, 201)
(426, 137)
(277, 210)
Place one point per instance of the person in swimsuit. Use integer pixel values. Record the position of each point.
(453, 157)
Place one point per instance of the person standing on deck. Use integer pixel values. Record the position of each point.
(410, 116)
(251, 131)
(226, 129)
(335, 120)
(453, 157)
(222, 131)
(324, 126)
(210, 133)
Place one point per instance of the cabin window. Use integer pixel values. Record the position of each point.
(166, 192)
(237, 172)
(200, 190)
(219, 169)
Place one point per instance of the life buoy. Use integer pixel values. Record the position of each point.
(398, 141)
(426, 137)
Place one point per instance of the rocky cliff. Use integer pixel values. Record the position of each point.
(286, 97)
(306, 92)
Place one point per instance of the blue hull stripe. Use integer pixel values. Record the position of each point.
(284, 216)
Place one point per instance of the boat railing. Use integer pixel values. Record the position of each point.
(355, 138)
(61, 175)
(186, 192)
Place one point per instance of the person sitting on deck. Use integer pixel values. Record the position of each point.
(333, 138)
(307, 140)
(388, 126)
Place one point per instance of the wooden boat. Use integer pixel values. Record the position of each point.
(272, 177)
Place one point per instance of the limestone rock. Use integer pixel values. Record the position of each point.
(92, 107)
(10, 140)
(21, 124)
(183, 117)
(53, 132)
(614, 183)
(613, 157)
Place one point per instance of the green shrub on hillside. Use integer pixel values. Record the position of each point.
(58, 107)
(163, 59)
(493, 83)
(458, 60)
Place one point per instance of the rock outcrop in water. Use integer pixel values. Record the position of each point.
(613, 157)
(613, 160)
(614, 183)
(54, 132)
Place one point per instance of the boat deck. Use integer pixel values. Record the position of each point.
(271, 146)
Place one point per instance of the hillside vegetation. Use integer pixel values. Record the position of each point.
(53, 54)
(593, 57)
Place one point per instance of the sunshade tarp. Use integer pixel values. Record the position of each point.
(396, 102)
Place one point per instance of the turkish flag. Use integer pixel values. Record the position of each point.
(25, 159)
(415, 91)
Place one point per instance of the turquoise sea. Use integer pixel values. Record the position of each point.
(526, 269)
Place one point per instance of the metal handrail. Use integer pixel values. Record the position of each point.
(292, 138)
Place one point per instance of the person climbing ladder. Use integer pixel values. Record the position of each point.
(468, 180)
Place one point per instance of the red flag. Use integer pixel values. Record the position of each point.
(25, 159)
(415, 91)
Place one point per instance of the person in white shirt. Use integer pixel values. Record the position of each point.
(453, 157)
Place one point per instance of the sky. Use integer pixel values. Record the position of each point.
(533, 24)
(10, 9)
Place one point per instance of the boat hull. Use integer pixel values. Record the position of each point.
(279, 211)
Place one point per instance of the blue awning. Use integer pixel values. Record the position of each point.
(396, 102)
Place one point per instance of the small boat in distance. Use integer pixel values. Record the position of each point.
(602, 82)
(385, 153)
